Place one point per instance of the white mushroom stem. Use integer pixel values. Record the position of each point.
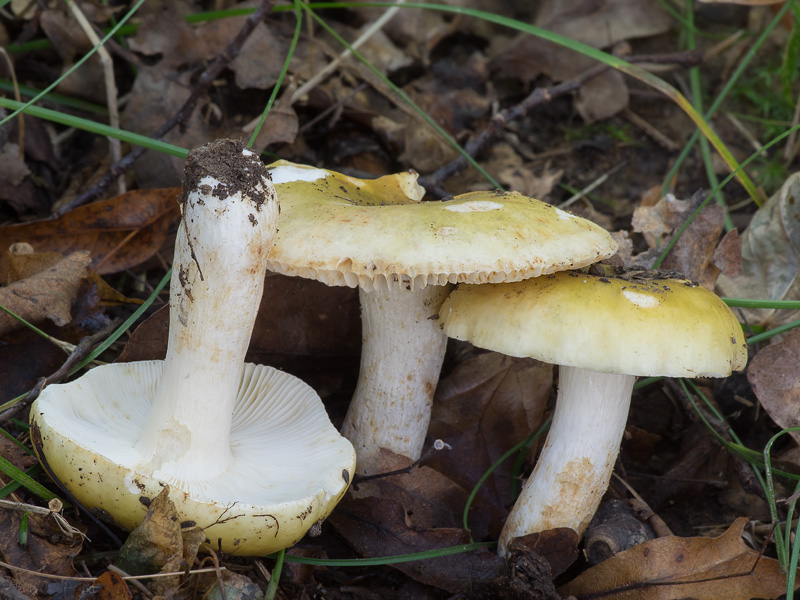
(575, 465)
(217, 282)
(401, 356)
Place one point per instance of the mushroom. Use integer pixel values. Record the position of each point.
(603, 331)
(403, 255)
(248, 451)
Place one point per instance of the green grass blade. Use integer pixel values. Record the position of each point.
(748, 303)
(697, 100)
(386, 560)
(22, 533)
(25, 480)
(732, 80)
(526, 443)
(272, 588)
(61, 99)
(598, 55)
(94, 127)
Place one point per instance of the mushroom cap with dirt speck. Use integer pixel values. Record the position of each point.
(290, 466)
(645, 326)
(376, 233)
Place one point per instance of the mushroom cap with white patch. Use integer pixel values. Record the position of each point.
(377, 233)
(642, 326)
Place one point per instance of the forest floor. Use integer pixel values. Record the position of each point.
(88, 217)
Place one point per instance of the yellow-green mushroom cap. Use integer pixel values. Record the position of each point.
(375, 233)
(640, 326)
(603, 332)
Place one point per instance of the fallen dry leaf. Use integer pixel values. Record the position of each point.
(693, 253)
(728, 255)
(701, 458)
(112, 587)
(12, 166)
(774, 374)
(25, 356)
(48, 294)
(156, 540)
(233, 586)
(485, 406)
(770, 257)
(48, 550)
(378, 527)
(69, 40)
(674, 567)
(429, 498)
(120, 233)
(512, 171)
(559, 547)
(24, 263)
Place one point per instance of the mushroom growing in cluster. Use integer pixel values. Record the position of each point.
(248, 451)
(603, 331)
(403, 254)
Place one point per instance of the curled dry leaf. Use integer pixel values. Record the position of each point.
(693, 253)
(112, 587)
(770, 257)
(48, 294)
(161, 543)
(774, 374)
(675, 567)
(429, 498)
(120, 233)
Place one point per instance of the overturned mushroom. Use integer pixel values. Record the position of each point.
(248, 451)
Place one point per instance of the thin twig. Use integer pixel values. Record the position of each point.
(126, 576)
(6, 565)
(502, 118)
(114, 144)
(54, 509)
